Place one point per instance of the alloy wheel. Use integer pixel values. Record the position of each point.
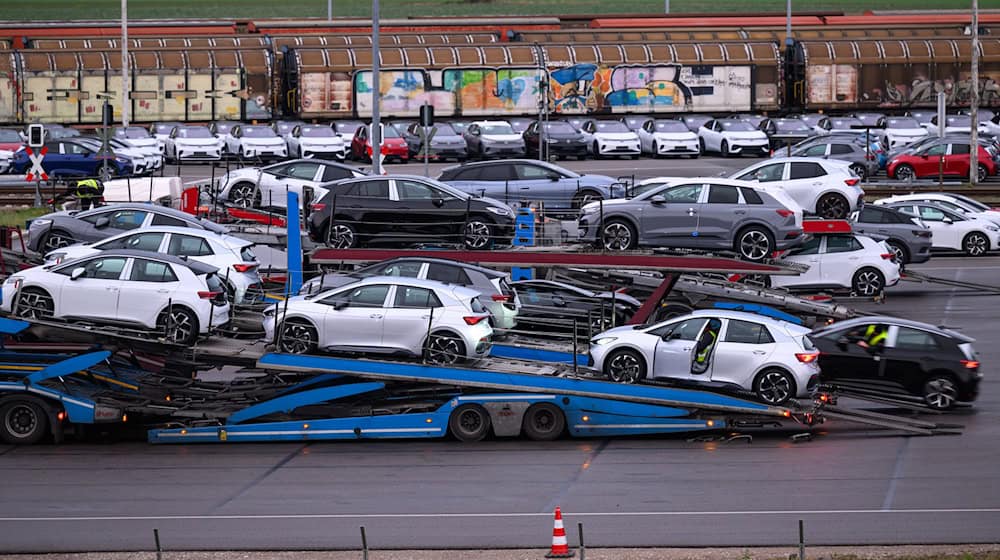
(181, 327)
(625, 368)
(774, 387)
(34, 305)
(444, 349)
(341, 237)
(905, 173)
(477, 235)
(976, 244)
(940, 393)
(868, 283)
(754, 245)
(832, 206)
(617, 237)
(243, 195)
(297, 338)
(982, 174)
(55, 241)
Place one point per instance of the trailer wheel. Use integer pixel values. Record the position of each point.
(543, 422)
(22, 422)
(469, 422)
(671, 310)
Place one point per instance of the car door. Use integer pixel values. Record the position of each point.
(946, 233)
(804, 182)
(77, 159)
(147, 287)
(433, 214)
(276, 183)
(956, 163)
(359, 144)
(712, 135)
(414, 311)
(672, 355)
(908, 352)
(535, 182)
(495, 180)
(719, 216)
(841, 256)
(809, 254)
(354, 317)
(94, 294)
(845, 359)
(368, 207)
(190, 246)
(645, 133)
(674, 220)
(743, 349)
(929, 163)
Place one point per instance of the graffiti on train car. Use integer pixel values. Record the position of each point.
(922, 90)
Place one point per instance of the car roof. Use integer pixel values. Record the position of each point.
(739, 315)
(489, 272)
(847, 323)
(468, 164)
(225, 238)
(196, 266)
(460, 292)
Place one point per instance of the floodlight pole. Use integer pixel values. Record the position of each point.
(974, 98)
(125, 88)
(376, 132)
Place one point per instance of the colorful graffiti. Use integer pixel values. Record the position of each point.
(924, 91)
(579, 89)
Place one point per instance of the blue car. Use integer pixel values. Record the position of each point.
(516, 180)
(69, 158)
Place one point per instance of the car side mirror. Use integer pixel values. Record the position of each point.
(340, 304)
(439, 202)
(553, 177)
(77, 272)
(671, 335)
(558, 301)
(658, 199)
(947, 220)
(102, 223)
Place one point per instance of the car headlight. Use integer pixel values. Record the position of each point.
(499, 211)
(57, 257)
(604, 340)
(270, 311)
(122, 160)
(40, 222)
(993, 228)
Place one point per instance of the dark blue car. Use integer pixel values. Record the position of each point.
(66, 157)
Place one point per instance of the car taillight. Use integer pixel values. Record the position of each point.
(317, 206)
(852, 181)
(499, 297)
(785, 213)
(475, 320)
(887, 256)
(244, 267)
(621, 291)
(922, 232)
(807, 357)
(208, 295)
(970, 364)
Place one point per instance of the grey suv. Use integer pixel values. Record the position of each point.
(695, 214)
(905, 235)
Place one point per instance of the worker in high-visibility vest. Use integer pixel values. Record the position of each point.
(875, 336)
(89, 192)
(706, 342)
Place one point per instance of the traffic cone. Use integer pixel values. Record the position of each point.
(560, 549)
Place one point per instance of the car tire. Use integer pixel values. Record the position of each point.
(832, 206)
(297, 337)
(900, 250)
(583, 198)
(478, 234)
(543, 422)
(178, 325)
(975, 244)
(469, 423)
(56, 239)
(656, 151)
(701, 146)
(618, 235)
(597, 151)
(22, 422)
(244, 195)
(904, 173)
(341, 235)
(625, 366)
(671, 310)
(724, 149)
(774, 386)
(940, 392)
(34, 303)
(754, 243)
(868, 282)
(444, 348)
(860, 171)
(983, 173)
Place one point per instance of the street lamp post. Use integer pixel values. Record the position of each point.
(974, 98)
(376, 132)
(125, 88)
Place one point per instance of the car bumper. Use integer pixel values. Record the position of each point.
(618, 149)
(677, 148)
(220, 317)
(560, 149)
(754, 148)
(788, 238)
(503, 150)
(806, 378)
(920, 253)
(264, 153)
(198, 154)
(321, 154)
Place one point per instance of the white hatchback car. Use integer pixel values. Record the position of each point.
(951, 230)
(234, 257)
(842, 262)
(823, 187)
(960, 203)
(307, 141)
(774, 359)
(137, 289)
(268, 186)
(667, 137)
(255, 142)
(611, 138)
(385, 315)
(733, 137)
(896, 132)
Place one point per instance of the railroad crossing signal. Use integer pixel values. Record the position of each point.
(36, 171)
(36, 135)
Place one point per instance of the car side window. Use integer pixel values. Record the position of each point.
(810, 247)
(871, 215)
(497, 172)
(412, 190)
(723, 194)
(409, 269)
(448, 274)
(334, 173)
(138, 241)
(913, 339)
(531, 172)
(836, 149)
(685, 330)
(751, 196)
(410, 297)
(745, 332)
(71, 148)
(188, 246)
(682, 193)
(806, 170)
(362, 296)
(161, 220)
(370, 189)
(470, 174)
(817, 150)
(938, 150)
(959, 149)
(144, 270)
(109, 268)
(766, 174)
(842, 244)
(931, 214)
(302, 170)
(127, 219)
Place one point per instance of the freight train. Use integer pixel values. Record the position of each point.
(485, 68)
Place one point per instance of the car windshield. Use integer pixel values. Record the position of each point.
(519, 126)
(670, 126)
(390, 132)
(979, 206)
(447, 188)
(193, 132)
(845, 124)
(736, 126)
(868, 119)
(223, 128)
(164, 128)
(459, 126)
(902, 122)
(444, 129)
(64, 132)
(8, 135)
(257, 132)
(348, 126)
(560, 127)
(791, 125)
(810, 120)
(132, 133)
(502, 128)
(611, 126)
(316, 132)
(959, 120)
(285, 128)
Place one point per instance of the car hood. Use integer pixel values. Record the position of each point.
(447, 141)
(206, 142)
(747, 135)
(502, 137)
(616, 136)
(321, 141)
(675, 136)
(263, 141)
(565, 136)
(593, 180)
(143, 142)
(618, 331)
(906, 132)
(12, 146)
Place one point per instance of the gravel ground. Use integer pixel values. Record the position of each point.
(963, 552)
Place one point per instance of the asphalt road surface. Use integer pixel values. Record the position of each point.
(850, 485)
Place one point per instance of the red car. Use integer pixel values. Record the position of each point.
(10, 140)
(927, 162)
(393, 144)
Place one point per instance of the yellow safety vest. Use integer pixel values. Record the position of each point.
(88, 188)
(876, 335)
(700, 358)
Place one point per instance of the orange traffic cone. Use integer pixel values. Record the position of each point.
(560, 549)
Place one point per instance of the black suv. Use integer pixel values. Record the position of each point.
(913, 359)
(405, 210)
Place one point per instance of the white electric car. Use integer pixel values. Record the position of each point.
(255, 142)
(306, 141)
(842, 262)
(268, 186)
(611, 138)
(667, 137)
(955, 202)
(953, 231)
(824, 187)
(732, 137)
(896, 132)
(192, 143)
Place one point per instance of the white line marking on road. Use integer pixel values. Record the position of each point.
(495, 515)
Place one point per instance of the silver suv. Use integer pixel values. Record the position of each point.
(704, 213)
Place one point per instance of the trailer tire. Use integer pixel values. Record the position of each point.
(671, 310)
(469, 423)
(543, 422)
(22, 422)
